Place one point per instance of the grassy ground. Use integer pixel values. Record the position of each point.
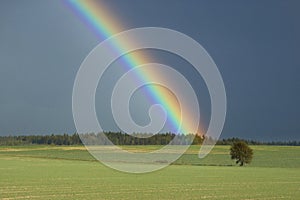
(47, 172)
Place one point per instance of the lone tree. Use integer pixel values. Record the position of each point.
(241, 152)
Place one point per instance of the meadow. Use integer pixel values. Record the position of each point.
(70, 172)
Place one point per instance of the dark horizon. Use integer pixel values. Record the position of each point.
(249, 140)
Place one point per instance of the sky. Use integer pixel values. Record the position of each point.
(255, 45)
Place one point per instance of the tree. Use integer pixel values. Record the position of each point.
(241, 152)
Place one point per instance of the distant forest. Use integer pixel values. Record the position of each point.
(119, 138)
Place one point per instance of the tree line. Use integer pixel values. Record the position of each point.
(119, 138)
(230, 141)
(116, 138)
(64, 139)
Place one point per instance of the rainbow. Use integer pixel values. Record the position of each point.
(97, 17)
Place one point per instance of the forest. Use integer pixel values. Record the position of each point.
(119, 138)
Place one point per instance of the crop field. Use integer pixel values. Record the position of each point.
(70, 172)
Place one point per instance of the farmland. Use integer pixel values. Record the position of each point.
(70, 172)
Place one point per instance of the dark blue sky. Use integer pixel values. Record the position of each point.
(255, 44)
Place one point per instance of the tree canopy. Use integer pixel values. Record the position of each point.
(241, 152)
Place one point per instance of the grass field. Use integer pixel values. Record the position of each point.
(52, 172)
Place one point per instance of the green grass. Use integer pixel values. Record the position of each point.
(51, 172)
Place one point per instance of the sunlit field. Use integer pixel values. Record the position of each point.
(70, 172)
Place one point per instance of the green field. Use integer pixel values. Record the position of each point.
(52, 172)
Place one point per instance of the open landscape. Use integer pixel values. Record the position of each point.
(70, 172)
(119, 99)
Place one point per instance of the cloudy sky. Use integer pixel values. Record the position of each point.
(255, 45)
